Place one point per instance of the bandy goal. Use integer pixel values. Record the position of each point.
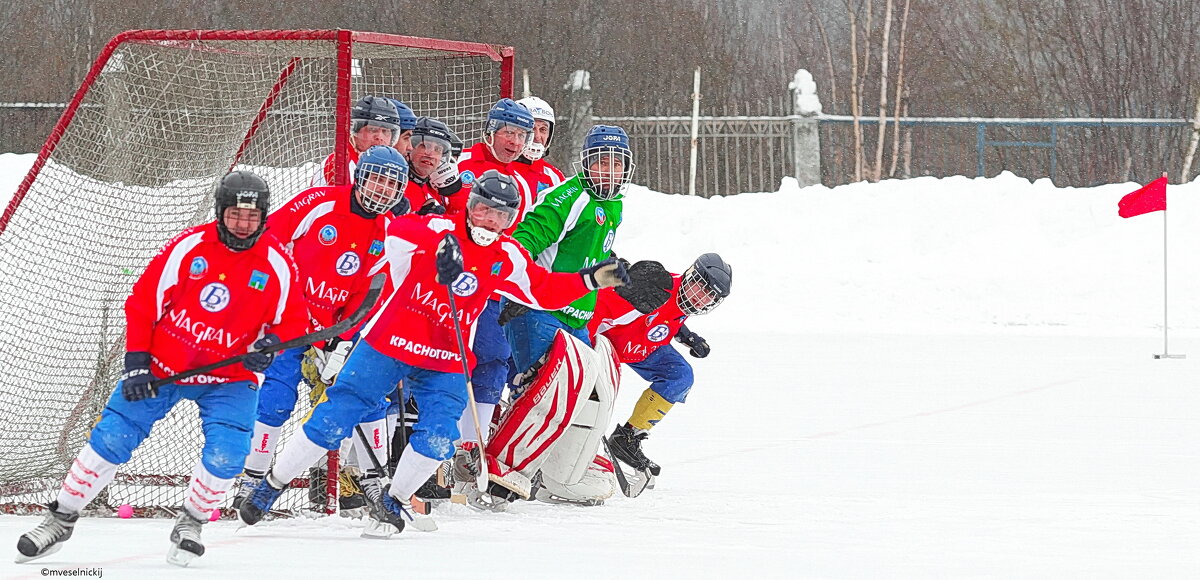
(132, 161)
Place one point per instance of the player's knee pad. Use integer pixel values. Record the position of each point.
(488, 380)
(570, 458)
(676, 387)
(114, 438)
(276, 401)
(225, 450)
(535, 421)
(434, 437)
(597, 484)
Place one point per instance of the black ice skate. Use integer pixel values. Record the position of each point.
(385, 510)
(48, 536)
(246, 483)
(624, 446)
(185, 540)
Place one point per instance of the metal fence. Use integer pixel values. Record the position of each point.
(747, 153)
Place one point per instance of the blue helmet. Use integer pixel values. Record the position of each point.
(606, 143)
(408, 119)
(383, 161)
(509, 112)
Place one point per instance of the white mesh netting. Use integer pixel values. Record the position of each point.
(163, 120)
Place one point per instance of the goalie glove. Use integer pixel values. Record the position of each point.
(649, 286)
(445, 174)
(698, 346)
(336, 353)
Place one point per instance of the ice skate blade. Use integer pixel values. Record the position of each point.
(22, 558)
(377, 530)
(180, 557)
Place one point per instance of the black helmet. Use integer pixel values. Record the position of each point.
(497, 191)
(378, 111)
(708, 277)
(245, 190)
(437, 132)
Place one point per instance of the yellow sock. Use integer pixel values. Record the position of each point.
(649, 410)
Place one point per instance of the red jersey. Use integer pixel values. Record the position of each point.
(418, 193)
(199, 302)
(472, 163)
(324, 174)
(635, 335)
(334, 249)
(540, 175)
(414, 324)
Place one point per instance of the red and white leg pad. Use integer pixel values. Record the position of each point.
(571, 470)
(531, 426)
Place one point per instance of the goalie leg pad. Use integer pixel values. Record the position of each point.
(597, 484)
(572, 456)
(549, 405)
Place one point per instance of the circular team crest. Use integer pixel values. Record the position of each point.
(348, 264)
(465, 285)
(608, 239)
(600, 216)
(658, 333)
(328, 235)
(198, 268)
(467, 177)
(214, 297)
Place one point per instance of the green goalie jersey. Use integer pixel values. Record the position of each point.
(567, 231)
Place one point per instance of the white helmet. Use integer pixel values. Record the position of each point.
(540, 109)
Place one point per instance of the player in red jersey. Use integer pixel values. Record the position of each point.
(641, 339)
(537, 171)
(373, 121)
(336, 235)
(433, 167)
(508, 129)
(414, 338)
(215, 291)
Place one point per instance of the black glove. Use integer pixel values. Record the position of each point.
(449, 260)
(401, 206)
(510, 311)
(431, 206)
(649, 286)
(699, 347)
(135, 383)
(606, 274)
(259, 361)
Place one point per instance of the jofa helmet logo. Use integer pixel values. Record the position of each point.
(214, 297)
(465, 285)
(658, 333)
(327, 235)
(348, 264)
(198, 268)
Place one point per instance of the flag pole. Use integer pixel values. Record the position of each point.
(1166, 351)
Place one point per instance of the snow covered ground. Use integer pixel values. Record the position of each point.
(921, 378)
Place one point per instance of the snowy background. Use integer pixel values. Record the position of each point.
(920, 378)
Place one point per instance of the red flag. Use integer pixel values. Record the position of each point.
(1152, 197)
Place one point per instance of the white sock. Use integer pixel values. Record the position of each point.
(466, 427)
(205, 492)
(262, 448)
(89, 474)
(298, 455)
(411, 472)
(377, 437)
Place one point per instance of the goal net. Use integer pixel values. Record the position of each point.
(160, 117)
